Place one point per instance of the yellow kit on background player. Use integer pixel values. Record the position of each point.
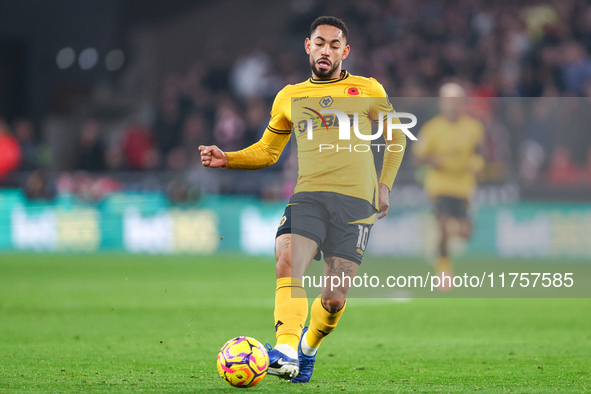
(455, 145)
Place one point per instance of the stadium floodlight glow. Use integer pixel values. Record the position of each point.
(114, 60)
(88, 58)
(65, 58)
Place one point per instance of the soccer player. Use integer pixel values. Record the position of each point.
(336, 199)
(449, 145)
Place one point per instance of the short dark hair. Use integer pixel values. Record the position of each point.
(331, 21)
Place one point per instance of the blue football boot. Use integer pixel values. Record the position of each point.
(306, 363)
(281, 365)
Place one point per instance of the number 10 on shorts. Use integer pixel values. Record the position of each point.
(363, 236)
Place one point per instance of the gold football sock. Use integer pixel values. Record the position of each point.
(291, 311)
(444, 264)
(444, 269)
(322, 322)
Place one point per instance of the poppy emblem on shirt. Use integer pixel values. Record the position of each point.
(351, 91)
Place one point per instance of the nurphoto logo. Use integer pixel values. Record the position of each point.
(345, 123)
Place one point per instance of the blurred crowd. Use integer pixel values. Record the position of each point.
(494, 48)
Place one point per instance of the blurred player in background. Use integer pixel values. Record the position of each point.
(336, 199)
(449, 145)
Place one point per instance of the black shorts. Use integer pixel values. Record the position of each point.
(451, 206)
(339, 224)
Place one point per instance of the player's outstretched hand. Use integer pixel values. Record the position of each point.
(383, 200)
(212, 156)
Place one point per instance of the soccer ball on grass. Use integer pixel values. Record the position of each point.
(243, 362)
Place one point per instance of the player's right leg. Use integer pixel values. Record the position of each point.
(443, 266)
(325, 313)
(300, 234)
(443, 224)
(454, 225)
(291, 303)
(443, 213)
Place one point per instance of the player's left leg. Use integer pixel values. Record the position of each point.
(325, 312)
(465, 228)
(351, 220)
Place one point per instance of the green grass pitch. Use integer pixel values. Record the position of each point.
(121, 323)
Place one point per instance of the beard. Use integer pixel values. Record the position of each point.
(320, 72)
